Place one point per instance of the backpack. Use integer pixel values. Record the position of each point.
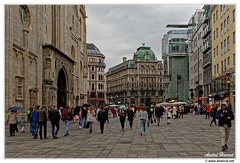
(66, 114)
(212, 113)
(101, 116)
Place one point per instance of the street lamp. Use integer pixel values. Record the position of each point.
(177, 82)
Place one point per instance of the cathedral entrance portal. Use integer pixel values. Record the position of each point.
(61, 92)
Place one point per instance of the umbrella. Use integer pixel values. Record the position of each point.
(86, 105)
(181, 103)
(15, 108)
(163, 103)
(113, 105)
(122, 106)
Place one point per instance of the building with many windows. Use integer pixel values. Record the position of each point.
(195, 56)
(96, 67)
(175, 65)
(136, 81)
(207, 52)
(45, 55)
(223, 19)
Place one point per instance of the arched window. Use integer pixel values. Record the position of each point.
(92, 76)
(92, 86)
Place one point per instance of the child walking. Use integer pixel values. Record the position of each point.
(21, 123)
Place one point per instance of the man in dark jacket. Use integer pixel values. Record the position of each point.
(150, 114)
(158, 113)
(130, 116)
(84, 116)
(225, 117)
(102, 118)
(54, 117)
(42, 119)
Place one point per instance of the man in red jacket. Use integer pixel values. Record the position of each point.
(66, 117)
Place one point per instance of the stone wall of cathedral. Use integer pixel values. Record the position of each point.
(28, 29)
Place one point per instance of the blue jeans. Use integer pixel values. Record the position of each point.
(35, 126)
(84, 121)
(66, 126)
(143, 125)
(31, 128)
(54, 133)
(130, 123)
(80, 120)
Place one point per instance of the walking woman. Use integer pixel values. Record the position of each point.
(122, 116)
(213, 114)
(143, 116)
(91, 118)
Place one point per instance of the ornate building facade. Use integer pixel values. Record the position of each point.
(136, 81)
(45, 55)
(96, 84)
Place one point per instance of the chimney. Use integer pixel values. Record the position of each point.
(124, 59)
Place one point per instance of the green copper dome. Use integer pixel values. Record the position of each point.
(144, 52)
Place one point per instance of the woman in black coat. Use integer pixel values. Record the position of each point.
(122, 116)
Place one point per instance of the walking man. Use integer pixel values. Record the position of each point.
(130, 116)
(35, 122)
(54, 117)
(42, 119)
(158, 113)
(225, 117)
(66, 117)
(102, 118)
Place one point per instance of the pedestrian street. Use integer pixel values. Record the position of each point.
(188, 137)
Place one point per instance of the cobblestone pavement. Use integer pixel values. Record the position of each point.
(188, 137)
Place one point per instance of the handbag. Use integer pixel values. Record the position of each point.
(88, 124)
(76, 117)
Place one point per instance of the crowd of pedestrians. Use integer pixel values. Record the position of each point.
(87, 116)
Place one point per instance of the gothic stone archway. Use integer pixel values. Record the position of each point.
(61, 91)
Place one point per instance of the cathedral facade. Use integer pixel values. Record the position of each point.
(45, 55)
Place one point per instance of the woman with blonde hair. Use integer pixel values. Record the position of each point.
(91, 117)
(143, 116)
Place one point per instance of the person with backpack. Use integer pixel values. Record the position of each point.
(54, 117)
(158, 113)
(67, 117)
(102, 118)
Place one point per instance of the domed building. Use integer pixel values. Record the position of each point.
(136, 81)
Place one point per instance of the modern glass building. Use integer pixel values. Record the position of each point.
(175, 65)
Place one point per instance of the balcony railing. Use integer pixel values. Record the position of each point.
(97, 64)
(205, 17)
(206, 47)
(207, 60)
(206, 31)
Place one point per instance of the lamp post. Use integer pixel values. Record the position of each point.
(176, 71)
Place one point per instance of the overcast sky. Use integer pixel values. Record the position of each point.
(118, 30)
